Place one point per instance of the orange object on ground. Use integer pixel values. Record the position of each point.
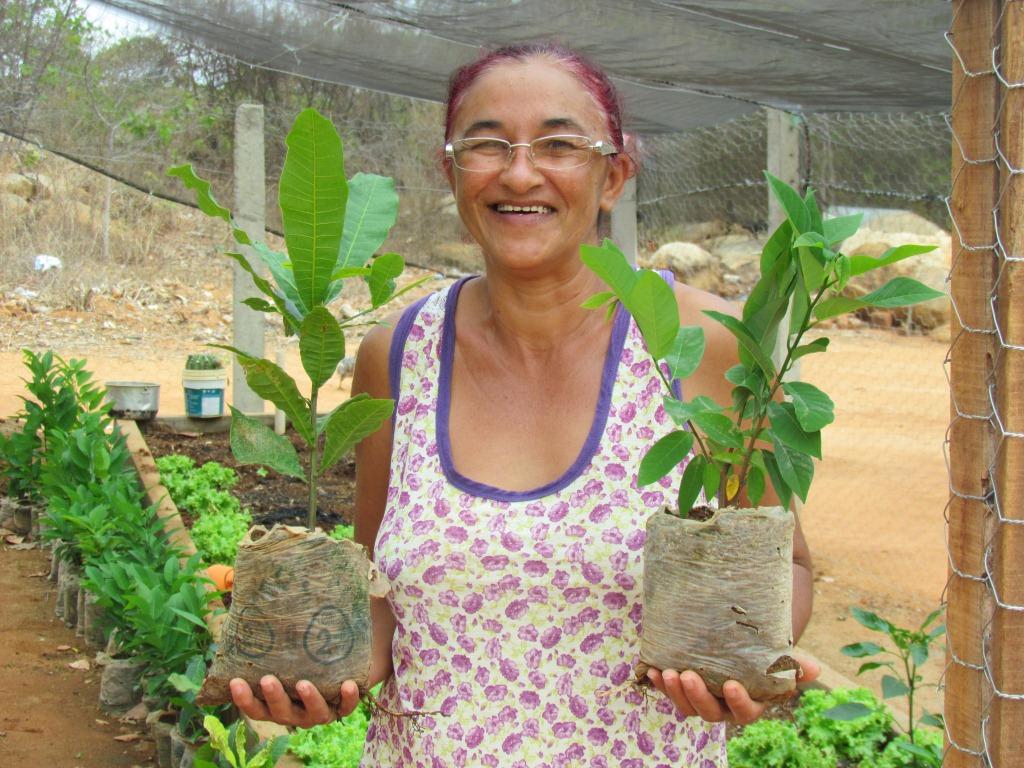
(222, 575)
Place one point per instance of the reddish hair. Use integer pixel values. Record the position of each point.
(591, 77)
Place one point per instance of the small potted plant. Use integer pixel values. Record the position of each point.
(733, 563)
(204, 380)
(287, 618)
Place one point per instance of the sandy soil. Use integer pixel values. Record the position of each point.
(874, 519)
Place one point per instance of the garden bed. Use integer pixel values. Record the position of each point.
(271, 497)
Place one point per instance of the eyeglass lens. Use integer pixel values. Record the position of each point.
(548, 152)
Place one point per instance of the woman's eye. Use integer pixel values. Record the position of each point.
(487, 146)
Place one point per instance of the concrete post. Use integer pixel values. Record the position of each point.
(250, 214)
(624, 221)
(783, 152)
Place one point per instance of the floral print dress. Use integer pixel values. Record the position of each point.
(518, 613)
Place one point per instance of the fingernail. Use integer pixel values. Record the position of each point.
(302, 687)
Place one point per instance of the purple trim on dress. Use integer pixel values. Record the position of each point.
(590, 445)
(397, 349)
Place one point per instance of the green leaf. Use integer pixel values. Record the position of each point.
(931, 617)
(281, 270)
(892, 687)
(860, 650)
(796, 468)
(371, 212)
(711, 480)
(813, 212)
(719, 427)
(321, 345)
(611, 265)
(312, 196)
(598, 300)
(818, 345)
(870, 666)
(690, 485)
(260, 305)
(663, 456)
(859, 263)
(747, 342)
(346, 272)
(189, 617)
(871, 620)
(218, 733)
(776, 246)
(686, 352)
(653, 305)
(782, 489)
(814, 409)
(931, 757)
(792, 204)
(350, 423)
(841, 227)
(681, 412)
(755, 485)
(812, 271)
(253, 442)
(898, 292)
(849, 710)
(204, 198)
(935, 721)
(842, 267)
(919, 653)
(786, 429)
(383, 271)
(810, 239)
(183, 683)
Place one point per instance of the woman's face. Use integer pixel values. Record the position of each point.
(519, 102)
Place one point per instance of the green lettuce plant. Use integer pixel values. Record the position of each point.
(332, 228)
(771, 429)
(774, 744)
(338, 744)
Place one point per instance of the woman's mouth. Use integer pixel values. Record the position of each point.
(521, 209)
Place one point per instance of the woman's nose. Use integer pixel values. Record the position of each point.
(520, 168)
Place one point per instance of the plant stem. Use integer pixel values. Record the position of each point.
(693, 427)
(314, 460)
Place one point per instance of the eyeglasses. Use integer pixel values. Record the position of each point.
(552, 153)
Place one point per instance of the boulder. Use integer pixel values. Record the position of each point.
(697, 231)
(17, 184)
(904, 221)
(738, 252)
(13, 205)
(691, 264)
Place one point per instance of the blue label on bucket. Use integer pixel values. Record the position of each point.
(204, 403)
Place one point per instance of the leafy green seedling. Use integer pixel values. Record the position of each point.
(759, 437)
(332, 228)
(228, 747)
(911, 649)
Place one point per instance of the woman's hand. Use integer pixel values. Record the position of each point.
(278, 707)
(691, 696)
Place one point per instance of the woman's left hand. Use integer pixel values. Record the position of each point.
(691, 696)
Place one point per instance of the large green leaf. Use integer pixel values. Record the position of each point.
(350, 423)
(312, 197)
(281, 269)
(663, 456)
(787, 429)
(898, 292)
(271, 383)
(814, 409)
(321, 345)
(253, 442)
(719, 427)
(611, 265)
(859, 263)
(653, 305)
(776, 247)
(812, 270)
(795, 467)
(792, 203)
(686, 352)
(841, 227)
(371, 212)
(747, 342)
(280, 304)
(681, 412)
(818, 345)
(755, 484)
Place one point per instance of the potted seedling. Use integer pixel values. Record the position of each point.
(300, 600)
(733, 563)
(204, 381)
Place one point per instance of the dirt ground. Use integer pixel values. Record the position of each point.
(874, 519)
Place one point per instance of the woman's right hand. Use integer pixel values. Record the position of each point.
(278, 707)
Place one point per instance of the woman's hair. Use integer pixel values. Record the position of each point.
(590, 76)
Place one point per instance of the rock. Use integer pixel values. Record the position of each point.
(904, 221)
(42, 185)
(698, 231)
(13, 205)
(738, 253)
(881, 318)
(17, 184)
(690, 263)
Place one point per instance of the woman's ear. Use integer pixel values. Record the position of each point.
(620, 170)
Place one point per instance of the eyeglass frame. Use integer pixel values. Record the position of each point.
(600, 147)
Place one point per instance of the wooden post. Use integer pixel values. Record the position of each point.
(973, 197)
(250, 213)
(1006, 728)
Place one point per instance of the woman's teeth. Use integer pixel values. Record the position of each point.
(502, 208)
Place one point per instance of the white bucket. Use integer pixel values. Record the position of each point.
(204, 392)
(137, 400)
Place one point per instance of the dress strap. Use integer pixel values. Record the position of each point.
(398, 338)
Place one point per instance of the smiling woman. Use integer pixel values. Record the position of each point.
(503, 505)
